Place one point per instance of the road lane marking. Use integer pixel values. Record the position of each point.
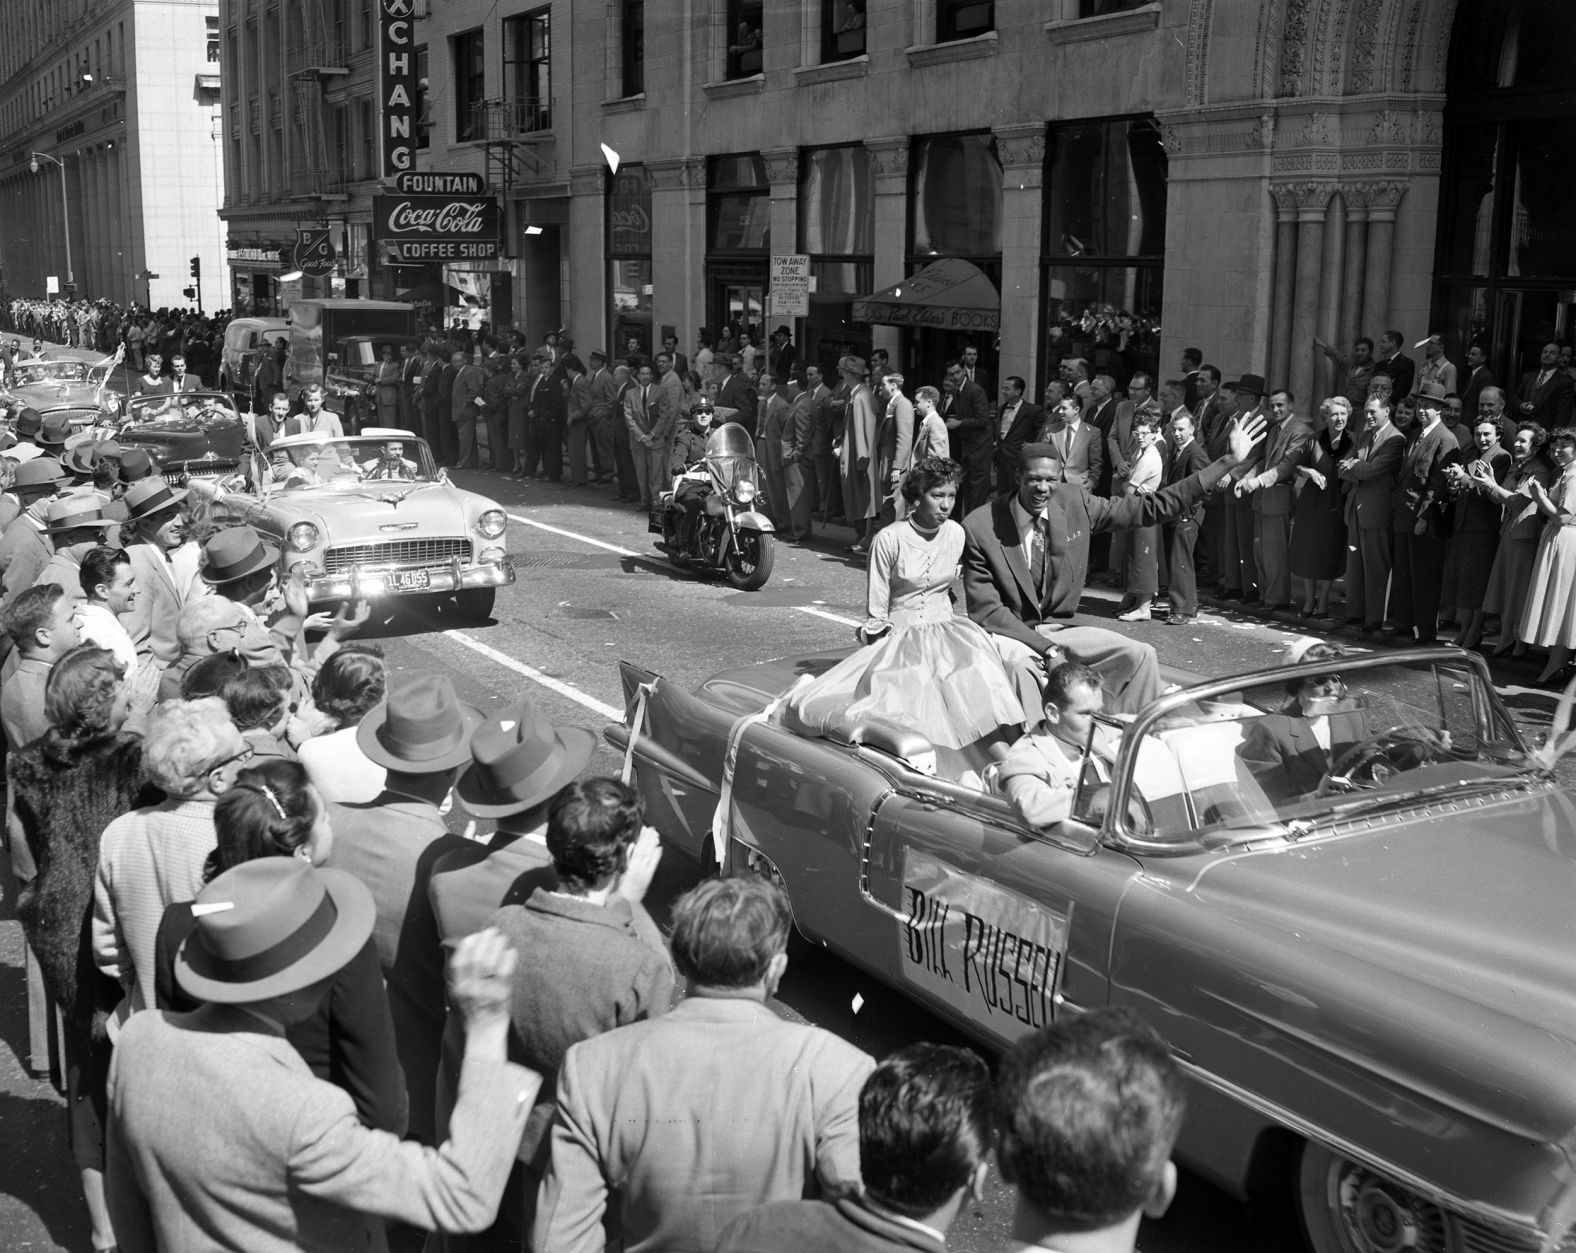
(536, 676)
(830, 617)
(584, 539)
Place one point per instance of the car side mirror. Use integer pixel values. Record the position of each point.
(333, 358)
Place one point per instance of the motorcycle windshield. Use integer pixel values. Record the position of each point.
(730, 452)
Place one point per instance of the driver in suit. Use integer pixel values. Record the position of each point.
(1025, 557)
(1290, 754)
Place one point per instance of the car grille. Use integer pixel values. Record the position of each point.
(396, 554)
(200, 468)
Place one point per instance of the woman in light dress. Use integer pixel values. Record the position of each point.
(1549, 619)
(925, 668)
(1141, 572)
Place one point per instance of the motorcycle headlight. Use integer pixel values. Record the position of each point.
(302, 537)
(745, 492)
(493, 523)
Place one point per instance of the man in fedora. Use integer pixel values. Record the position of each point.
(857, 450)
(1422, 497)
(53, 432)
(220, 1135)
(35, 483)
(421, 734)
(163, 560)
(70, 518)
(27, 425)
(1240, 575)
(590, 957)
(75, 524)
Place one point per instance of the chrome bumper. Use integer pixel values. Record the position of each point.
(441, 581)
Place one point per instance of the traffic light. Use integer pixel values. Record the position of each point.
(196, 267)
(189, 292)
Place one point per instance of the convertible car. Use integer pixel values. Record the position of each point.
(75, 388)
(371, 517)
(189, 437)
(1365, 968)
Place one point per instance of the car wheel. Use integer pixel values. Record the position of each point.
(749, 560)
(476, 604)
(1347, 1208)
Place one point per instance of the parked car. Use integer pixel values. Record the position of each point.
(192, 436)
(1367, 980)
(245, 341)
(372, 517)
(61, 384)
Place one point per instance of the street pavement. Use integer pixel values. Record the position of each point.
(592, 591)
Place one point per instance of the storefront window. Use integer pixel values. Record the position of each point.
(837, 230)
(1104, 246)
(738, 215)
(629, 260)
(956, 196)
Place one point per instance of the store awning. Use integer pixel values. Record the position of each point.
(947, 295)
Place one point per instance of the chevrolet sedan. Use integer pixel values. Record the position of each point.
(1345, 892)
(371, 517)
(74, 388)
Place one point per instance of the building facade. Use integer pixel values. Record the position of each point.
(1128, 178)
(116, 103)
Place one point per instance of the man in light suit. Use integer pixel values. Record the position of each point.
(1018, 422)
(1546, 395)
(420, 733)
(640, 1131)
(1423, 485)
(1080, 452)
(770, 439)
(1272, 500)
(894, 448)
(1025, 559)
(165, 564)
(220, 1137)
(650, 427)
(1368, 475)
(857, 450)
(799, 461)
(966, 411)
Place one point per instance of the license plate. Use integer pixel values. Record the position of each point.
(408, 580)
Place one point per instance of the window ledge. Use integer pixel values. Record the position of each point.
(625, 104)
(953, 50)
(1079, 29)
(831, 71)
(727, 87)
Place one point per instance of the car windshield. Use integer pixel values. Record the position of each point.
(29, 374)
(297, 467)
(185, 404)
(1288, 756)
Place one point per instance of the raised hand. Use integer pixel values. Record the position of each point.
(1245, 432)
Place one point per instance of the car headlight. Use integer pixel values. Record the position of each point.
(302, 537)
(493, 523)
(745, 492)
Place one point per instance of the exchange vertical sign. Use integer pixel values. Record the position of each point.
(397, 85)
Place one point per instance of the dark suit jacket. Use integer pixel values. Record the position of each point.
(1368, 484)
(1479, 379)
(1283, 450)
(737, 392)
(1552, 404)
(996, 581)
(1184, 465)
(1402, 371)
(1284, 758)
(1025, 426)
(1422, 489)
(976, 437)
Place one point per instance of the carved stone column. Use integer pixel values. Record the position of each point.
(1285, 281)
(1313, 201)
(1022, 152)
(1349, 322)
(889, 171)
(1384, 199)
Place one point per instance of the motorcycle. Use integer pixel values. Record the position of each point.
(730, 537)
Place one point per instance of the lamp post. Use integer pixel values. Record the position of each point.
(65, 210)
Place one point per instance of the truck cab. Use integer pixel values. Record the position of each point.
(322, 330)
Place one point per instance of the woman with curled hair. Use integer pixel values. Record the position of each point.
(1549, 617)
(274, 811)
(925, 668)
(1521, 523)
(1318, 530)
(347, 685)
(65, 788)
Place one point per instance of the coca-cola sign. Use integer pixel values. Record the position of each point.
(436, 228)
(629, 213)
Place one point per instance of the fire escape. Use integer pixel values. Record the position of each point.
(511, 133)
(313, 62)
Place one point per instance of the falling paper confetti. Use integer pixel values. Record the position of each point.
(859, 1002)
(612, 158)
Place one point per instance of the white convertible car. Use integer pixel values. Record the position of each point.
(371, 516)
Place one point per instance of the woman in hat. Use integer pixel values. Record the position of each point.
(220, 1135)
(274, 811)
(65, 788)
(927, 668)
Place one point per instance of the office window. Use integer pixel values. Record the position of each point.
(842, 29)
(470, 86)
(963, 19)
(1099, 8)
(740, 204)
(527, 71)
(632, 30)
(955, 196)
(213, 41)
(745, 31)
(367, 166)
